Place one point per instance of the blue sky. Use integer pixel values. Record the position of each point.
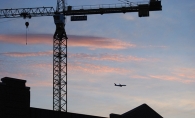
(153, 56)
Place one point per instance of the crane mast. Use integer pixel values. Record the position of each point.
(60, 37)
(60, 60)
(60, 6)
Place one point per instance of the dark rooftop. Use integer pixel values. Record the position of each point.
(142, 111)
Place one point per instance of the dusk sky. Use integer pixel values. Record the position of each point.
(154, 56)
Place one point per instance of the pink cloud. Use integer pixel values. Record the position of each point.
(99, 42)
(24, 76)
(179, 77)
(84, 68)
(96, 69)
(139, 76)
(183, 75)
(73, 41)
(32, 39)
(88, 68)
(98, 57)
(27, 54)
(166, 77)
(34, 78)
(41, 83)
(106, 57)
(45, 66)
(186, 73)
(155, 46)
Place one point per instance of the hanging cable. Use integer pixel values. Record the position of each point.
(27, 24)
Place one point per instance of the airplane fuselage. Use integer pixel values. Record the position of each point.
(119, 85)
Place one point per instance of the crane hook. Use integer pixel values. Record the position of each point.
(27, 24)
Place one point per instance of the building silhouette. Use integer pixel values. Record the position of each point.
(142, 111)
(15, 103)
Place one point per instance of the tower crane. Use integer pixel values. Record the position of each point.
(60, 38)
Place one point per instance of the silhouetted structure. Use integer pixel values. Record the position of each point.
(142, 111)
(14, 98)
(43, 113)
(15, 103)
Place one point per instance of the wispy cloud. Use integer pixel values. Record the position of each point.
(184, 75)
(99, 42)
(40, 83)
(83, 68)
(136, 76)
(128, 17)
(89, 42)
(96, 69)
(98, 57)
(27, 54)
(32, 39)
(19, 75)
(154, 46)
(31, 78)
(106, 57)
(167, 77)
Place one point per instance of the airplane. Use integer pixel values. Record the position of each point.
(119, 85)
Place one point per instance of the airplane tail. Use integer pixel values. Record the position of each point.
(114, 84)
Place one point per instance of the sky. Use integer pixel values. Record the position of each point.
(154, 56)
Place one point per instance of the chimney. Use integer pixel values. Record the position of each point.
(15, 98)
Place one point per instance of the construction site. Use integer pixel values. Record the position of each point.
(15, 95)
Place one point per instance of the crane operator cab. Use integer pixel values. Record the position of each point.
(59, 19)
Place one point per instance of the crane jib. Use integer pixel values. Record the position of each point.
(142, 9)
